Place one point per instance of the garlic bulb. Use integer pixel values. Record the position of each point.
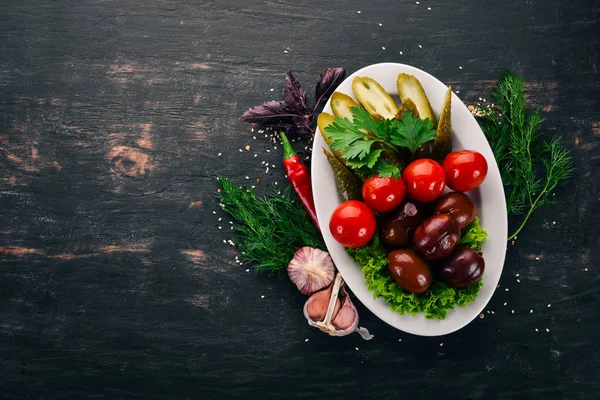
(311, 270)
(332, 311)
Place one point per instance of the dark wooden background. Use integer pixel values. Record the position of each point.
(114, 279)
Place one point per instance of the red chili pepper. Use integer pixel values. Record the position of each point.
(297, 174)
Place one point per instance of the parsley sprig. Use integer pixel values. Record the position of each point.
(368, 146)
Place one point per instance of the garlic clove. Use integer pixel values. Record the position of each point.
(311, 270)
(315, 308)
(346, 319)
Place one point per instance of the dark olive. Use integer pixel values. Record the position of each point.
(409, 270)
(463, 268)
(436, 237)
(398, 229)
(457, 205)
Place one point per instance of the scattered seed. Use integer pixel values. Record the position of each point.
(417, 2)
(306, 340)
(255, 155)
(214, 212)
(219, 155)
(429, 8)
(516, 274)
(506, 290)
(285, 51)
(224, 241)
(220, 218)
(518, 281)
(504, 303)
(537, 258)
(358, 12)
(512, 311)
(459, 67)
(441, 344)
(220, 227)
(585, 269)
(549, 305)
(247, 270)
(356, 348)
(481, 316)
(262, 297)
(247, 177)
(399, 339)
(271, 90)
(536, 329)
(382, 48)
(247, 148)
(457, 92)
(553, 222)
(547, 330)
(420, 46)
(400, 53)
(380, 24)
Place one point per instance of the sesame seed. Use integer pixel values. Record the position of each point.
(271, 90)
(247, 270)
(254, 137)
(418, 2)
(441, 344)
(380, 24)
(214, 212)
(536, 329)
(382, 48)
(480, 99)
(231, 228)
(549, 305)
(247, 177)
(267, 171)
(224, 241)
(585, 269)
(531, 311)
(306, 340)
(459, 67)
(356, 348)
(220, 227)
(553, 222)
(240, 150)
(262, 297)
(241, 264)
(504, 303)
(457, 92)
(518, 281)
(429, 8)
(220, 218)
(285, 51)
(420, 46)
(537, 258)
(506, 290)
(516, 274)
(400, 53)
(547, 330)
(253, 187)
(255, 155)
(512, 311)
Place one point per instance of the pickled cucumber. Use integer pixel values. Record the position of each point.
(374, 98)
(442, 145)
(341, 105)
(407, 105)
(323, 120)
(348, 185)
(409, 87)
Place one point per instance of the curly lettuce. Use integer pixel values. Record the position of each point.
(473, 235)
(434, 303)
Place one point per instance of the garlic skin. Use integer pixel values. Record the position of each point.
(311, 270)
(332, 311)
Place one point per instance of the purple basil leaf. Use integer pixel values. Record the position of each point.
(293, 94)
(330, 79)
(269, 111)
(302, 126)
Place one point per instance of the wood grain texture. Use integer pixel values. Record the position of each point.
(114, 279)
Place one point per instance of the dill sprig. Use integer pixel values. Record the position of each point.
(531, 168)
(271, 228)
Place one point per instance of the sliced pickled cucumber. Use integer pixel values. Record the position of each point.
(323, 120)
(409, 87)
(341, 105)
(348, 185)
(374, 98)
(407, 105)
(442, 145)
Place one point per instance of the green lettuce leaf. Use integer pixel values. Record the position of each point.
(473, 235)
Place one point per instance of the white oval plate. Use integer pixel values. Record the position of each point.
(489, 197)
